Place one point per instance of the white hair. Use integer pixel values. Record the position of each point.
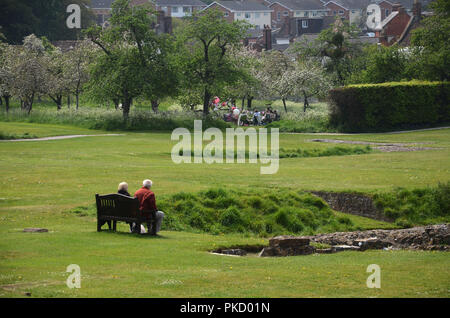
(147, 183)
(123, 186)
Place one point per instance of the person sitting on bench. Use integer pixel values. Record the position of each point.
(147, 202)
(123, 189)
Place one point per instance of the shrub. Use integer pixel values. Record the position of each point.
(416, 207)
(381, 107)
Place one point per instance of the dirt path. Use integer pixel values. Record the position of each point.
(382, 146)
(62, 137)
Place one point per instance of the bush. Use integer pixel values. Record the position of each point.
(387, 106)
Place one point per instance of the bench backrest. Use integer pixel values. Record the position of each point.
(117, 205)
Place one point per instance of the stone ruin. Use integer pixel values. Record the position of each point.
(432, 237)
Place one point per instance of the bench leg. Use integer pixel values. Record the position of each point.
(99, 225)
(114, 225)
(109, 224)
(153, 226)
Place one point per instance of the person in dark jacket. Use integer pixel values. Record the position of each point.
(123, 189)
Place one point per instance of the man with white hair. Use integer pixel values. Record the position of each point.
(147, 202)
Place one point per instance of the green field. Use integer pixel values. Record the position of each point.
(41, 181)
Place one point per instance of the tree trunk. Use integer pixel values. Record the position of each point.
(206, 98)
(305, 102)
(78, 99)
(6, 97)
(284, 104)
(116, 103)
(58, 101)
(155, 105)
(68, 101)
(29, 103)
(1, 100)
(243, 102)
(249, 102)
(126, 104)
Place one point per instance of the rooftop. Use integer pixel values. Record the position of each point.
(301, 4)
(236, 5)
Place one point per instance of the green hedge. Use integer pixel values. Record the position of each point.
(388, 106)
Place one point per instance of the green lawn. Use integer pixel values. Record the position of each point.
(42, 181)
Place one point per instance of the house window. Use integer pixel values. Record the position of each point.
(238, 14)
(353, 11)
(387, 12)
(257, 15)
(247, 15)
(285, 13)
(187, 9)
(174, 9)
(334, 12)
(304, 24)
(226, 14)
(297, 13)
(164, 9)
(315, 14)
(341, 12)
(305, 14)
(278, 15)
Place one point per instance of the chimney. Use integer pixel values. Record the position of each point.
(267, 38)
(417, 9)
(398, 7)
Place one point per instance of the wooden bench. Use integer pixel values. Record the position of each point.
(117, 207)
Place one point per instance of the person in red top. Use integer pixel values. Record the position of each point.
(147, 203)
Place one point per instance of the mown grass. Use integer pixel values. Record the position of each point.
(41, 181)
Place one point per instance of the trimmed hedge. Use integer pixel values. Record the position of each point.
(387, 106)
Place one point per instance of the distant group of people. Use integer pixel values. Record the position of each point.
(147, 204)
(251, 117)
(244, 117)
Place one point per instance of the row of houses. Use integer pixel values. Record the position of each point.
(265, 12)
(289, 20)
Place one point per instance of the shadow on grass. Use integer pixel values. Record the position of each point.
(141, 236)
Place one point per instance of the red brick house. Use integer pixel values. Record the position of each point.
(397, 27)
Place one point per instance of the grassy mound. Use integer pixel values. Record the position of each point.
(331, 151)
(416, 207)
(7, 136)
(254, 212)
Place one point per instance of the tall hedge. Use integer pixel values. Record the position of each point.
(388, 106)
